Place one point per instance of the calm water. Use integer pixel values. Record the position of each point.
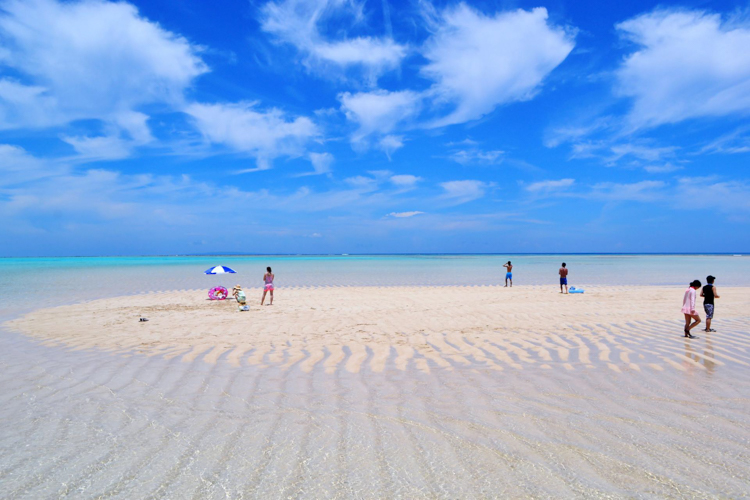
(87, 424)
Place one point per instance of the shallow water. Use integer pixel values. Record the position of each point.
(87, 424)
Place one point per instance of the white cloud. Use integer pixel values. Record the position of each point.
(636, 154)
(709, 193)
(362, 183)
(321, 163)
(550, 185)
(298, 22)
(661, 169)
(735, 142)
(378, 112)
(108, 147)
(390, 143)
(479, 62)
(689, 64)
(464, 191)
(645, 191)
(401, 215)
(405, 180)
(264, 135)
(17, 166)
(477, 156)
(90, 60)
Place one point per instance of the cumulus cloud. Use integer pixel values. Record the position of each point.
(263, 135)
(550, 185)
(90, 60)
(688, 64)
(479, 62)
(301, 23)
(378, 112)
(464, 191)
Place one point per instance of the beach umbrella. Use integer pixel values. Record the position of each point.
(219, 270)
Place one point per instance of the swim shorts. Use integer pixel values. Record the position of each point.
(563, 281)
(709, 308)
(508, 276)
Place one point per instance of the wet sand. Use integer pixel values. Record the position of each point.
(617, 328)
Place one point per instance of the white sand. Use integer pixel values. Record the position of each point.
(620, 328)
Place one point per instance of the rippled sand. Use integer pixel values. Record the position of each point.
(378, 393)
(338, 327)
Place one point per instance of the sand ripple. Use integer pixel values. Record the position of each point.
(428, 328)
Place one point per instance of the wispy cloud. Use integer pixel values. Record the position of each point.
(90, 60)
(464, 191)
(378, 112)
(402, 215)
(644, 191)
(301, 24)
(263, 135)
(550, 185)
(405, 181)
(688, 64)
(477, 156)
(473, 76)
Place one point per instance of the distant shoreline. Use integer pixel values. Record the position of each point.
(511, 254)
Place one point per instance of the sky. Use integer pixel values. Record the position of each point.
(344, 126)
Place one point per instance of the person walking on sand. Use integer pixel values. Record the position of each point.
(509, 274)
(563, 278)
(709, 293)
(268, 287)
(688, 308)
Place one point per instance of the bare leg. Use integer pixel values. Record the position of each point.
(263, 298)
(511, 283)
(566, 288)
(506, 282)
(708, 324)
(271, 303)
(689, 326)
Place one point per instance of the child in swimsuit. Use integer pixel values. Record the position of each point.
(268, 280)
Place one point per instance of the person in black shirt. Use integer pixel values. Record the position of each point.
(709, 294)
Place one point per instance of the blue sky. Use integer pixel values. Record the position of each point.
(335, 126)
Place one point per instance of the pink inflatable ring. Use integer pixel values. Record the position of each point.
(218, 293)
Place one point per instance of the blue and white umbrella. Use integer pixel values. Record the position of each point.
(220, 270)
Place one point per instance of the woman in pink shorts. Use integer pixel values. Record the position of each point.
(688, 309)
(268, 280)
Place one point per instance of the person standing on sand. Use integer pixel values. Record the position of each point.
(688, 308)
(268, 286)
(709, 294)
(563, 278)
(509, 274)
